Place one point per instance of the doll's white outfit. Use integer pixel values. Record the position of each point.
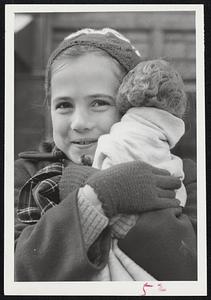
(146, 134)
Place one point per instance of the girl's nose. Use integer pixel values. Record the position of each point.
(80, 120)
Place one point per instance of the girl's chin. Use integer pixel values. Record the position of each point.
(76, 160)
(81, 158)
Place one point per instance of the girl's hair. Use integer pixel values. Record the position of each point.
(77, 51)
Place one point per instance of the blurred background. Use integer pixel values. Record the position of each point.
(168, 35)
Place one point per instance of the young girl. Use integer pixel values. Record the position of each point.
(64, 236)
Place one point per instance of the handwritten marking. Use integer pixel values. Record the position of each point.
(147, 285)
(161, 288)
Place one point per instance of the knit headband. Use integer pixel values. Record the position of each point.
(109, 40)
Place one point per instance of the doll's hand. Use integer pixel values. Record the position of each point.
(134, 187)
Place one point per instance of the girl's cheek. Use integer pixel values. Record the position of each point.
(107, 122)
(59, 123)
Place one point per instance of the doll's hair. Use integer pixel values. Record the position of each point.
(153, 83)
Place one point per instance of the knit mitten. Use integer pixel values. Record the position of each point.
(74, 177)
(134, 187)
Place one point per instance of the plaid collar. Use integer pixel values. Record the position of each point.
(39, 193)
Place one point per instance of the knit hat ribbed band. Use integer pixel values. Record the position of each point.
(106, 39)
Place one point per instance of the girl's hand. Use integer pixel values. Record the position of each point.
(134, 187)
(74, 177)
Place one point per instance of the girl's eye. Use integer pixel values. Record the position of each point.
(64, 105)
(99, 103)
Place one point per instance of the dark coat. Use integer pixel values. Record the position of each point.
(163, 241)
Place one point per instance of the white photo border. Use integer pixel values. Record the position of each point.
(173, 288)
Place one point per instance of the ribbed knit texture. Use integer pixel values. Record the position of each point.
(73, 177)
(92, 221)
(119, 49)
(121, 227)
(114, 187)
(138, 179)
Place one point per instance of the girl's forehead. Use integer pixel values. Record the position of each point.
(90, 64)
(83, 60)
(84, 75)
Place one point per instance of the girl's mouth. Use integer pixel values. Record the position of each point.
(84, 143)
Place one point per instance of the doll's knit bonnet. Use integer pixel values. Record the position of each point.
(109, 40)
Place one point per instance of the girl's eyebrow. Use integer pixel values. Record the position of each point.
(92, 96)
(104, 96)
(61, 99)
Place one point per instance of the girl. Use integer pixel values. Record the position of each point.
(71, 240)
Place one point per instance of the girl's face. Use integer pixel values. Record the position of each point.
(83, 92)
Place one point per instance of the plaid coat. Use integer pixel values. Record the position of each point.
(163, 241)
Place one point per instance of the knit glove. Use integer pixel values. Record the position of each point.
(74, 177)
(134, 187)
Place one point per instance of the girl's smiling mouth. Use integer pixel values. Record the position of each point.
(84, 143)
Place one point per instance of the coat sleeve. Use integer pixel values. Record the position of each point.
(190, 183)
(164, 241)
(53, 249)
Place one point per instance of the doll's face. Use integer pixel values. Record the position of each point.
(83, 94)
